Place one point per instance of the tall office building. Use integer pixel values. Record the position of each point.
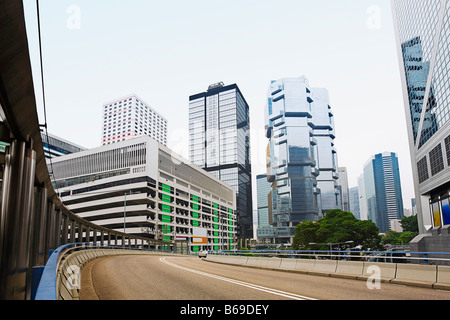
(302, 161)
(141, 187)
(423, 35)
(263, 187)
(219, 142)
(382, 187)
(343, 184)
(130, 117)
(363, 215)
(354, 202)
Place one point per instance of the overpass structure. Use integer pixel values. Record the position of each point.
(34, 221)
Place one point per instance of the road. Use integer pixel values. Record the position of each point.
(190, 278)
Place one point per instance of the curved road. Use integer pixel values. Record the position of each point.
(179, 278)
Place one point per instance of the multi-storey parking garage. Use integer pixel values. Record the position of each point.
(141, 187)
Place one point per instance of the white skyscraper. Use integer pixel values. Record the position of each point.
(130, 117)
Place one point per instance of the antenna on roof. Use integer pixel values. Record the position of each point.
(216, 85)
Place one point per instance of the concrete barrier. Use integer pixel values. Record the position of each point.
(257, 261)
(212, 258)
(414, 274)
(385, 272)
(437, 277)
(305, 265)
(324, 267)
(273, 263)
(443, 278)
(348, 269)
(240, 260)
(288, 263)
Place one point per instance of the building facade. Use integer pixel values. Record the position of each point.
(265, 231)
(344, 190)
(130, 117)
(139, 186)
(354, 202)
(219, 142)
(55, 146)
(301, 158)
(362, 198)
(423, 34)
(382, 188)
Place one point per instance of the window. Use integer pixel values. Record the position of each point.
(447, 149)
(436, 160)
(422, 169)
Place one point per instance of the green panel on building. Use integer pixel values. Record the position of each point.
(166, 188)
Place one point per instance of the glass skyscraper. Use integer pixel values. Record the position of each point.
(354, 202)
(382, 190)
(423, 41)
(219, 142)
(301, 157)
(263, 188)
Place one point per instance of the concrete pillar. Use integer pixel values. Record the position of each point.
(16, 220)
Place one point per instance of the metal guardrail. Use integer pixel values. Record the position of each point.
(438, 258)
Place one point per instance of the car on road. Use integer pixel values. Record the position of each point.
(203, 254)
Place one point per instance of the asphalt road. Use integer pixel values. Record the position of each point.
(191, 278)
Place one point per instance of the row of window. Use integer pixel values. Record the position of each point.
(436, 161)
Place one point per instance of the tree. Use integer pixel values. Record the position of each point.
(398, 238)
(410, 224)
(336, 226)
(391, 237)
(305, 233)
(410, 230)
(406, 237)
(367, 235)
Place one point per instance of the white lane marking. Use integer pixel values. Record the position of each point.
(241, 283)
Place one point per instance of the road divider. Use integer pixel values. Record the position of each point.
(421, 275)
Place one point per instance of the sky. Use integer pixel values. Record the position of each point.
(97, 51)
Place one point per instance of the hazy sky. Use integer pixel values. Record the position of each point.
(164, 51)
